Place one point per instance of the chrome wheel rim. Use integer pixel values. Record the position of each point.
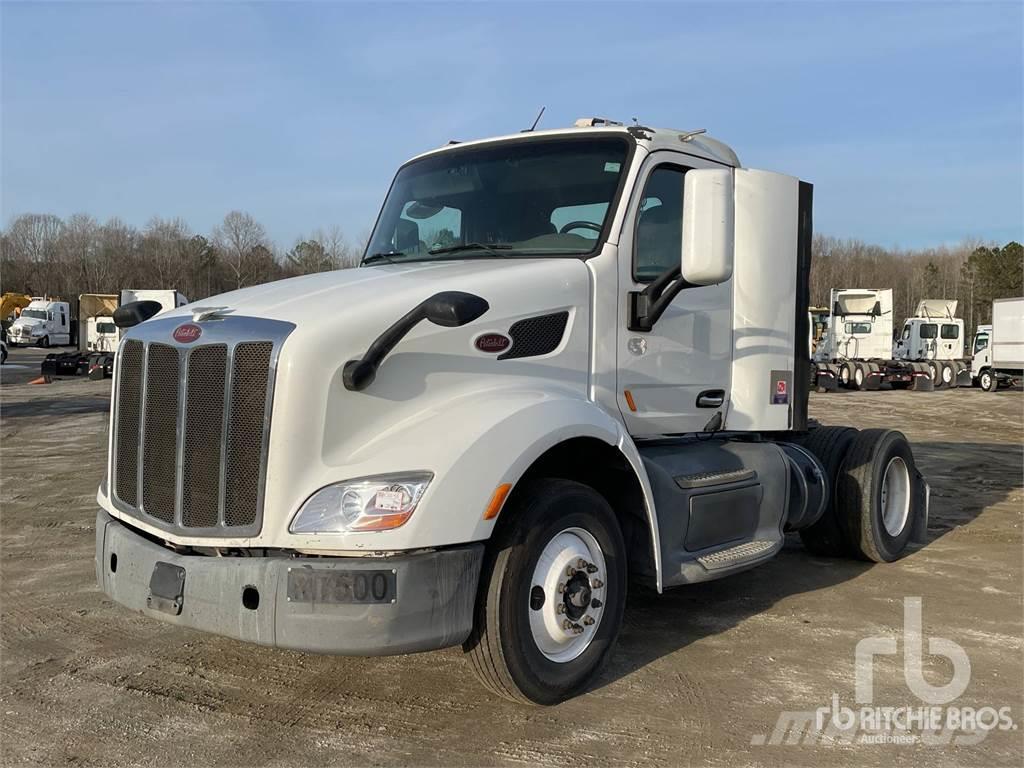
(567, 595)
(895, 500)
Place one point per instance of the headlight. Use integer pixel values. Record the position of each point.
(366, 504)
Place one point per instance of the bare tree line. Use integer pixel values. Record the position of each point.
(972, 272)
(42, 254)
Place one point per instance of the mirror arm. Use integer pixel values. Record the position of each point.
(357, 375)
(646, 306)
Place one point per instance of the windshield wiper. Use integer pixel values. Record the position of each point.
(491, 249)
(383, 256)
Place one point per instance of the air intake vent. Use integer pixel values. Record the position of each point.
(536, 336)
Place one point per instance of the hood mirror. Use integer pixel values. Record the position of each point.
(453, 308)
(131, 314)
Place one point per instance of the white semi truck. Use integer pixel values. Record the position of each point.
(858, 349)
(999, 347)
(572, 361)
(43, 323)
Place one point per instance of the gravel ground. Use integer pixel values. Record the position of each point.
(701, 674)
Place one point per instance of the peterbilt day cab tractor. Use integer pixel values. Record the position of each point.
(573, 362)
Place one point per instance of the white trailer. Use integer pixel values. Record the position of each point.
(482, 438)
(43, 323)
(999, 347)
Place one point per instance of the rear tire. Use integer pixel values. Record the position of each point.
(877, 493)
(857, 382)
(829, 444)
(519, 650)
(845, 375)
(948, 376)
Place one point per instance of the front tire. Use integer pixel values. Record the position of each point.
(988, 382)
(44, 342)
(545, 623)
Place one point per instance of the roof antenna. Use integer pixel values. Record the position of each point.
(532, 127)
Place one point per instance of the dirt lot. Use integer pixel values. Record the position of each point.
(701, 675)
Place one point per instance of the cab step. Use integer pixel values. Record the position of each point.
(733, 556)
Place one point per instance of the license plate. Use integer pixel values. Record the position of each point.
(306, 585)
(167, 588)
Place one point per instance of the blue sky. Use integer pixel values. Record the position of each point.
(907, 117)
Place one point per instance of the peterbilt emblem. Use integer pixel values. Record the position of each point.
(492, 342)
(187, 333)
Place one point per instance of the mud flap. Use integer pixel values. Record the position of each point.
(963, 378)
(922, 502)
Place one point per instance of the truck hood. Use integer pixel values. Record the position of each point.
(26, 322)
(399, 287)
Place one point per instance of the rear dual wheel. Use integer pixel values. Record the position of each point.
(551, 595)
(876, 498)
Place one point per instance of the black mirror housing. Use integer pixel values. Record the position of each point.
(452, 309)
(130, 315)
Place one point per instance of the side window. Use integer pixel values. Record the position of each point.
(858, 328)
(906, 332)
(950, 331)
(659, 228)
(980, 342)
(424, 225)
(929, 330)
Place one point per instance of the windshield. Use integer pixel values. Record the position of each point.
(38, 314)
(535, 198)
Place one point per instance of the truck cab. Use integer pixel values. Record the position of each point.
(571, 360)
(42, 323)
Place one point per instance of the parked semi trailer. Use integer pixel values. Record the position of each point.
(999, 347)
(858, 349)
(554, 376)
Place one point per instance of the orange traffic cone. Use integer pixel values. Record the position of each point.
(41, 380)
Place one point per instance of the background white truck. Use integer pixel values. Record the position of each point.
(858, 349)
(43, 323)
(572, 360)
(999, 347)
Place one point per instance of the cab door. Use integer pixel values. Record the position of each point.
(674, 378)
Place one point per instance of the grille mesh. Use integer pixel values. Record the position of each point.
(204, 420)
(249, 375)
(159, 451)
(536, 335)
(128, 408)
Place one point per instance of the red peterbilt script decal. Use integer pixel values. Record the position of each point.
(492, 342)
(186, 334)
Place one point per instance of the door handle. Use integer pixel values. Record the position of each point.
(711, 398)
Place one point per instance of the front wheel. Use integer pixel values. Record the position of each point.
(988, 382)
(551, 594)
(44, 342)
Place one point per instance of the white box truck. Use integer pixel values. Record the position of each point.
(999, 347)
(572, 360)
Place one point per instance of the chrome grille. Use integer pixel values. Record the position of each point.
(129, 409)
(204, 432)
(192, 423)
(159, 449)
(245, 431)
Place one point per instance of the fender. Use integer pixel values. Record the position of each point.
(474, 444)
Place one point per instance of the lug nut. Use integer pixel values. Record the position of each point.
(596, 603)
(577, 629)
(591, 568)
(561, 588)
(596, 583)
(560, 608)
(567, 625)
(588, 620)
(570, 571)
